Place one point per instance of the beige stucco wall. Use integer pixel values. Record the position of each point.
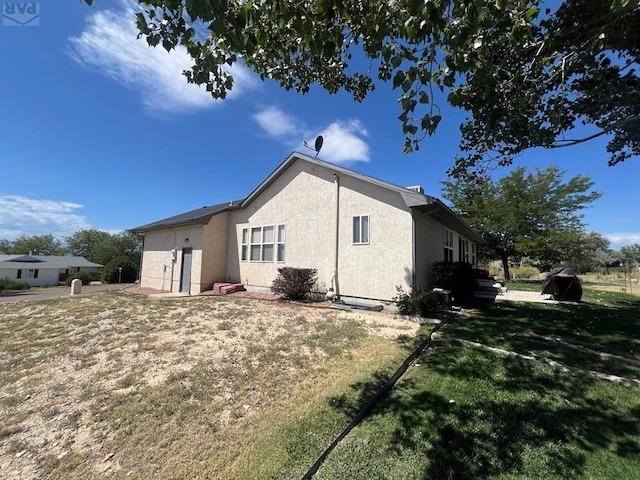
(429, 248)
(157, 254)
(303, 198)
(214, 254)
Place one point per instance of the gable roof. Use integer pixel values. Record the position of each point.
(410, 197)
(200, 216)
(44, 261)
(422, 203)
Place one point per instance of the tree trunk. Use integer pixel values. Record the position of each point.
(505, 266)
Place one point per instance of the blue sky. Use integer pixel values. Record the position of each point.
(98, 130)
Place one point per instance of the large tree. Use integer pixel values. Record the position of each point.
(631, 254)
(524, 214)
(526, 74)
(102, 247)
(36, 245)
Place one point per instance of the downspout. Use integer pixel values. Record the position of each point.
(173, 260)
(334, 289)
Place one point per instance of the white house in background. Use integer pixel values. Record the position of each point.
(39, 270)
(363, 235)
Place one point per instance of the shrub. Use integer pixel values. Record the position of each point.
(8, 284)
(418, 302)
(525, 272)
(111, 273)
(294, 283)
(457, 277)
(84, 276)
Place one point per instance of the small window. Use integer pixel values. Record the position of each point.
(361, 229)
(19, 273)
(280, 254)
(474, 255)
(244, 246)
(32, 273)
(448, 246)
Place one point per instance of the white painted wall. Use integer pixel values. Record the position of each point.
(46, 276)
(429, 248)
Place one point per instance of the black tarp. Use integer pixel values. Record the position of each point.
(563, 284)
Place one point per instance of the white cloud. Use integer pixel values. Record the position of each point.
(276, 123)
(621, 239)
(28, 216)
(109, 44)
(343, 141)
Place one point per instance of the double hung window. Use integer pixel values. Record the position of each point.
(361, 229)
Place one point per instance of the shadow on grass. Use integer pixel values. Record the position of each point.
(469, 414)
(611, 327)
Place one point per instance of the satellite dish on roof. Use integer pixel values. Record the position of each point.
(317, 145)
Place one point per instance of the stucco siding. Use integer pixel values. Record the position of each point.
(156, 259)
(429, 248)
(214, 254)
(303, 199)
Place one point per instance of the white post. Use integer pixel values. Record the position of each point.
(76, 286)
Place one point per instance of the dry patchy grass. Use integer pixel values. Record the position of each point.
(122, 386)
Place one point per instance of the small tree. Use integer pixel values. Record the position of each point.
(294, 283)
(111, 272)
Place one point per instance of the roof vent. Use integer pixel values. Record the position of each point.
(416, 188)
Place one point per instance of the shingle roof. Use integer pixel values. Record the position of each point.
(44, 261)
(199, 216)
(412, 199)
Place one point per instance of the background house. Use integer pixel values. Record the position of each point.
(39, 270)
(363, 235)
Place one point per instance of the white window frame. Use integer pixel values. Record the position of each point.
(447, 243)
(263, 244)
(474, 254)
(361, 234)
(463, 243)
(280, 242)
(244, 245)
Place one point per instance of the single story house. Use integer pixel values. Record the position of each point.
(39, 270)
(363, 235)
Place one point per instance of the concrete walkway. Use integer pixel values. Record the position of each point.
(39, 293)
(521, 296)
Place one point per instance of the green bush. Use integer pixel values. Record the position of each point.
(457, 277)
(84, 276)
(111, 273)
(294, 283)
(525, 272)
(418, 302)
(8, 284)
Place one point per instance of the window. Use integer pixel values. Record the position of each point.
(243, 249)
(448, 246)
(19, 273)
(474, 255)
(32, 273)
(361, 229)
(280, 254)
(262, 243)
(463, 249)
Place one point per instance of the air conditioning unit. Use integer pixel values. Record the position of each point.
(416, 188)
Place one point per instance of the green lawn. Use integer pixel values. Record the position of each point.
(466, 413)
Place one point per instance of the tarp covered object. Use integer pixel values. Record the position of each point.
(563, 284)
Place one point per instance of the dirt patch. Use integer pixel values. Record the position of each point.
(76, 374)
